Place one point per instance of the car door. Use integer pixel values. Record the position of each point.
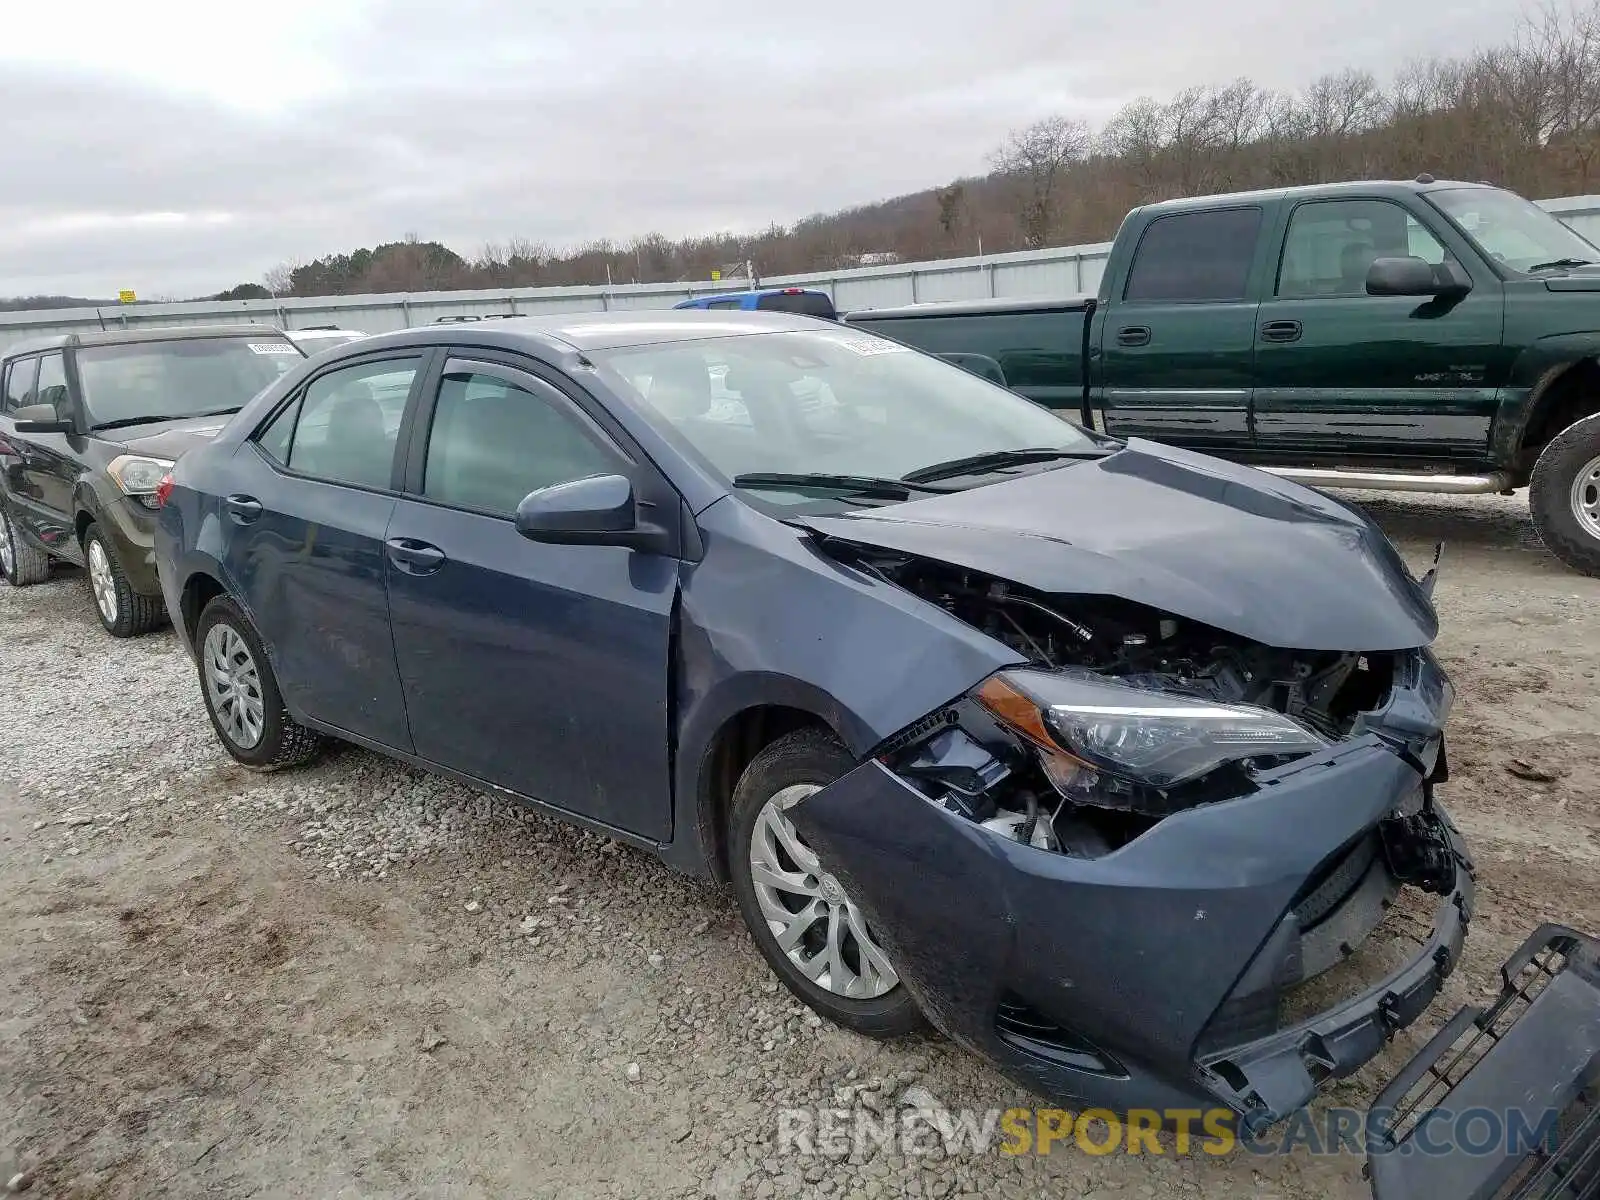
(534, 667)
(1340, 371)
(17, 390)
(1178, 342)
(303, 530)
(44, 478)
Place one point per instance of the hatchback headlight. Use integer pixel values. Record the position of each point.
(1082, 723)
(139, 476)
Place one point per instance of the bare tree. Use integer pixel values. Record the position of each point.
(1037, 159)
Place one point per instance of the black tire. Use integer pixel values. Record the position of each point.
(26, 564)
(1568, 459)
(135, 614)
(283, 741)
(806, 756)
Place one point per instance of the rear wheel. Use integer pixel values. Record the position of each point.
(21, 564)
(805, 925)
(123, 611)
(241, 693)
(1564, 495)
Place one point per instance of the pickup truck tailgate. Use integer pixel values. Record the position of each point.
(1504, 1101)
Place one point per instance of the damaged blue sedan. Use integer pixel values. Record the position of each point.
(1102, 757)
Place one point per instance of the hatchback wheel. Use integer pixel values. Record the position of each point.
(123, 611)
(804, 923)
(241, 693)
(20, 563)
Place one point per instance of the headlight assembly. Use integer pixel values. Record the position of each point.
(139, 476)
(1082, 723)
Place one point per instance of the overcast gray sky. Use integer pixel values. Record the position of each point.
(178, 147)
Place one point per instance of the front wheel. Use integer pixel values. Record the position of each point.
(1564, 495)
(241, 693)
(805, 925)
(124, 612)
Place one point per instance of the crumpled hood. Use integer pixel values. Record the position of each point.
(171, 438)
(1192, 535)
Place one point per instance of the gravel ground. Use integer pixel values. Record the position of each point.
(357, 980)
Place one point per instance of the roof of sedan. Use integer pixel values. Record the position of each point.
(606, 330)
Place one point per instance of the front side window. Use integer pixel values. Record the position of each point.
(140, 382)
(1332, 244)
(827, 401)
(52, 388)
(493, 441)
(345, 426)
(1512, 231)
(20, 377)
(1192, 257)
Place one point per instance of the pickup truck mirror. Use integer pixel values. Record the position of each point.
(40, 418)
(1409, 276)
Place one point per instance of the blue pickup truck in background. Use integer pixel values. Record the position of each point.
(790, 300)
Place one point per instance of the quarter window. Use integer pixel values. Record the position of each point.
(1197, 256)
(1331, 244)
(345, 425)
(493, 442)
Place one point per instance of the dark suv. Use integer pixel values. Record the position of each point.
(89, 423)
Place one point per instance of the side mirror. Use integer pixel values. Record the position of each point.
(40, 418)
(1410, 276)
(596, 511)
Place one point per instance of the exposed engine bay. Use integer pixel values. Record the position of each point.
(1025, 767)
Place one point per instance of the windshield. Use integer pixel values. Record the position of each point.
(1511, 230)
(829, 401)
(155, 381)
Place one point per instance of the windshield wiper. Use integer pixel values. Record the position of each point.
(977, 464)
(855, 485)
(1560, 262)
(125, 422)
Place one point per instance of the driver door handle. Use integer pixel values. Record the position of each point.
(414, 557)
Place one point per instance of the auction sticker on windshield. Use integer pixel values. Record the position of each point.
(864, 344)
(272, 348)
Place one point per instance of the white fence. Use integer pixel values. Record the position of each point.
(1063, 271)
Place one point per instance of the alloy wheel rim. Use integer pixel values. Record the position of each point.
(104, 587)
(1586, 498)
(233, 686)
(814, 921)
(7, 553)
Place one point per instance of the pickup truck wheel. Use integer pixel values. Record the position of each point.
(806, 927)
(1564, 495)
(20, 563)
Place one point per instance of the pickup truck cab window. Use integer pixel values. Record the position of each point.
(1331, 244)
(1194, 257)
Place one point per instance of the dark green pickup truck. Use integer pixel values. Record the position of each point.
(1419, 336)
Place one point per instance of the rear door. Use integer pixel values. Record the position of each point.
(1179, 341)
(303, 537)
(1340, 371)
(534, 667)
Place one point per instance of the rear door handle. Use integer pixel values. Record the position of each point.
(1281, 331)
(414, 557)
(1133, 335)
(243, 509)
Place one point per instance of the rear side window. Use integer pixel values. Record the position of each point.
(1195, 256)
(53, 384)
(810, 304)
(20, 376)
(493, 442)
(345, 426)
